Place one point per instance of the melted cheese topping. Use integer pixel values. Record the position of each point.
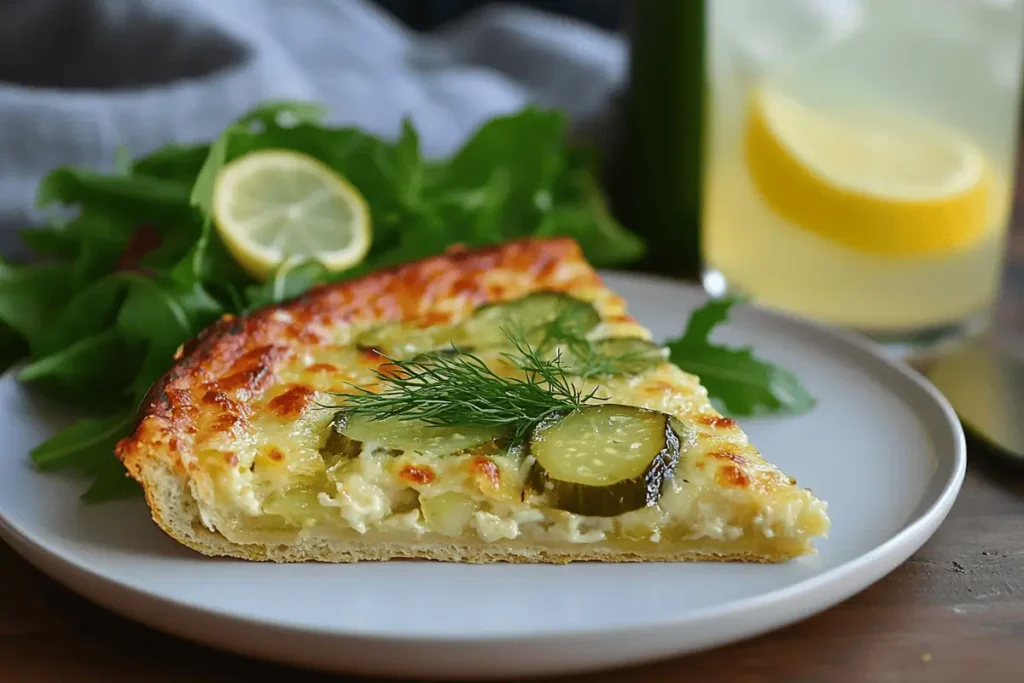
(260, 473)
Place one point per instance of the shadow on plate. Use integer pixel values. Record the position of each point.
(123, 526)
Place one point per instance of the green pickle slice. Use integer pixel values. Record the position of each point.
(399, 341)
(529, 315)
(346, 436)
(604, 460)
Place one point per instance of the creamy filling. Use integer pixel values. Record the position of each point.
(365, 498)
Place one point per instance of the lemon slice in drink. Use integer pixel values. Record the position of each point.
(273, 206)
(879, 184)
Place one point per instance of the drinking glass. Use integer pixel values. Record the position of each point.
(858, 159)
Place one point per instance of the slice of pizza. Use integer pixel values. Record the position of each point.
(489, 405)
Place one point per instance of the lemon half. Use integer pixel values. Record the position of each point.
(276, 206)
(879, 184)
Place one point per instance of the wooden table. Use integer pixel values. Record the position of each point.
(954, 612)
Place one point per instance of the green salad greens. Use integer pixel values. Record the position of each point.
(137, 269)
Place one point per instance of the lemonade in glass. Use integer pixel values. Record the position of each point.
(859, 159)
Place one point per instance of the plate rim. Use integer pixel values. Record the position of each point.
(900, 545)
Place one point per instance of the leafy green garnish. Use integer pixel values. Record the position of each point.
(137, 269)
(460, 390)
(564, 334)
(738, 382)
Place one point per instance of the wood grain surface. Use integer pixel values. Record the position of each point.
(954, 612)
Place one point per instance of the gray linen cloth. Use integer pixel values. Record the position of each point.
(78, 78)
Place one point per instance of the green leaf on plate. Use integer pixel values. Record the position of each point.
(283, 114)
(76, 186)
(161, 315)
(30, 296)
(12, 347)
(95, 370)
(85, 445)
(110, 482)
(175, 162)
(582, 213)
(88, 312)
(53, 241)
(739, 383)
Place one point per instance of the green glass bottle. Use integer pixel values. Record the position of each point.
(657, 185)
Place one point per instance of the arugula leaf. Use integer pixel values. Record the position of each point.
(582, 214)
(201, 195)
(283, 114)
(165, 310)
(174, 162)
(12, 347)
(102, 237)
(737, 382)
(94, 370)
(30, 295)
(52, 241)
(88, 312)
(110, 482)
(84, 443)
(148, 193)
(530, 144)
(477, 214)
(161, 315)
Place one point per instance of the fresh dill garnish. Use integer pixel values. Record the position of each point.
(596, 363)
(460, 390)
(586, 359)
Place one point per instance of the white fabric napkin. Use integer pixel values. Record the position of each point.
(78, 78)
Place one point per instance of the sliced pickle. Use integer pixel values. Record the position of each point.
(603, 460)
(448, 513)
(399, 341)
(296, 505)
(613, 356)
(529, 315)
(348, 435)
(338, 445)
(501, 446)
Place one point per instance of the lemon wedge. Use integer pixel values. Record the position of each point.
(276, 206)
(879, 184)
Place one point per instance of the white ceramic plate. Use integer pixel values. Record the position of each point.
(882, 447)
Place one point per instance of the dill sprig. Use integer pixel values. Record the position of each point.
(591, 363)
(584, 360)
(460, 390)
